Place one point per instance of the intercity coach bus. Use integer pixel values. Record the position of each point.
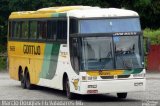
(78, 49)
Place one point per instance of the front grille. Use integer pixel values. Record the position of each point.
(112, 77)
(123, 76)
(107, 77)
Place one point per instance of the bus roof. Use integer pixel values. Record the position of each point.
(73, 11)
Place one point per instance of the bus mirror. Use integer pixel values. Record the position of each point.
(148, 45)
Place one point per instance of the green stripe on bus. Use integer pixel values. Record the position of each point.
(133, 71)
(50, 61)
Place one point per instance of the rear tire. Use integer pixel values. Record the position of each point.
(27, 80)
(23, 82)
(122, 95)
(69, 94)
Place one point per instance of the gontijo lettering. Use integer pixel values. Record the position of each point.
(31, 49)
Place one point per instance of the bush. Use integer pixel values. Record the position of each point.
(3, 57)
(2, 49)
(3, 63)
(154, 35)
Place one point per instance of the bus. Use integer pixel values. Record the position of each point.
(78, 49)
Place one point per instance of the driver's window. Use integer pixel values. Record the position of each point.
(74, 54)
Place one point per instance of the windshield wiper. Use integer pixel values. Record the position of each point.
(124, 50)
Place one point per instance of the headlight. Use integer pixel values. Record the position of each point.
(84, 78)
(89, 78)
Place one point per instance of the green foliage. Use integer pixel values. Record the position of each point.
(142, 3)
(84, 2)
(29, 5)
(3, 61)
(2, 49)
(154, 35)
(3, 57)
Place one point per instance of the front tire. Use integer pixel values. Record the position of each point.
(122, 95)
(69, 94)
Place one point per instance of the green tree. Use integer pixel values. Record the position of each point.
(4, 13)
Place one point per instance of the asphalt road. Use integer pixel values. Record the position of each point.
(11, 90)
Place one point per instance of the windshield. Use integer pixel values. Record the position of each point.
(116, 52)
(127, 52)
(96, 52)
(109, 25)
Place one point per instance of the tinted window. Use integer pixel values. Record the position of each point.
(109, 25)
(62, 29)
(16, 27)
(51, 29)
(42, 29)
(37, 29)
(33, 29)
(25, 28)
(73, 26)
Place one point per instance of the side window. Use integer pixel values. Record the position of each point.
(75, 56)
(62, 29)
(25, 29)
(73, 26)
(51, 29)
(42, 30)
(16, 29)
(33, 29)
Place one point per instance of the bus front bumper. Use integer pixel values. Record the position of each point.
(112, 86)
